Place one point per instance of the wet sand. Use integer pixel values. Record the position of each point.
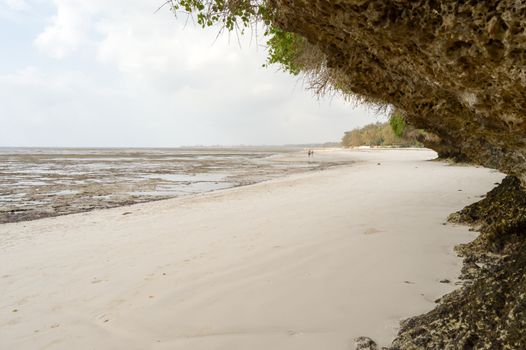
(38, 183)
(309, 261)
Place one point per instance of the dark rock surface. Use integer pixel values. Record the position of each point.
(365, 343)
(488, 314)
(490, 311)
(500, 217)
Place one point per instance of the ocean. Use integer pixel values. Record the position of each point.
(43, 182)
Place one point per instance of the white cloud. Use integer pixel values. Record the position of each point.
(17, 5)
(70, 27)
(75, 21)
(129, 77)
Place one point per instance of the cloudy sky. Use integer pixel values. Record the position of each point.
(114, 73)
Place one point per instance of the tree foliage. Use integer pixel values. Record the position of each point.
(378, 134)
(397, 122)
(231, 14)
(283, 47)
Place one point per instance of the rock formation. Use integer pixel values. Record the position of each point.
(457, 68)
(489, 312)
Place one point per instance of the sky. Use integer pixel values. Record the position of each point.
(115, 73)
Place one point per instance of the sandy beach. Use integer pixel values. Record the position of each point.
(308, 261)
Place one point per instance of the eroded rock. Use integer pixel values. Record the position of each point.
(489, 312)
(365, 343)
(457, 68)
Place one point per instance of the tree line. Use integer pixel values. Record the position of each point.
(394, 133)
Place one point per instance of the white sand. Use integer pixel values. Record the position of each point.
(305, 262)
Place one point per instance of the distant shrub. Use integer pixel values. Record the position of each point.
(383, 134)
(397, 122)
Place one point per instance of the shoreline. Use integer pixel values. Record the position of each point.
(306, 261)
(322, 165)
(56, 199)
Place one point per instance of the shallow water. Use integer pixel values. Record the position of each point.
(42, 182)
